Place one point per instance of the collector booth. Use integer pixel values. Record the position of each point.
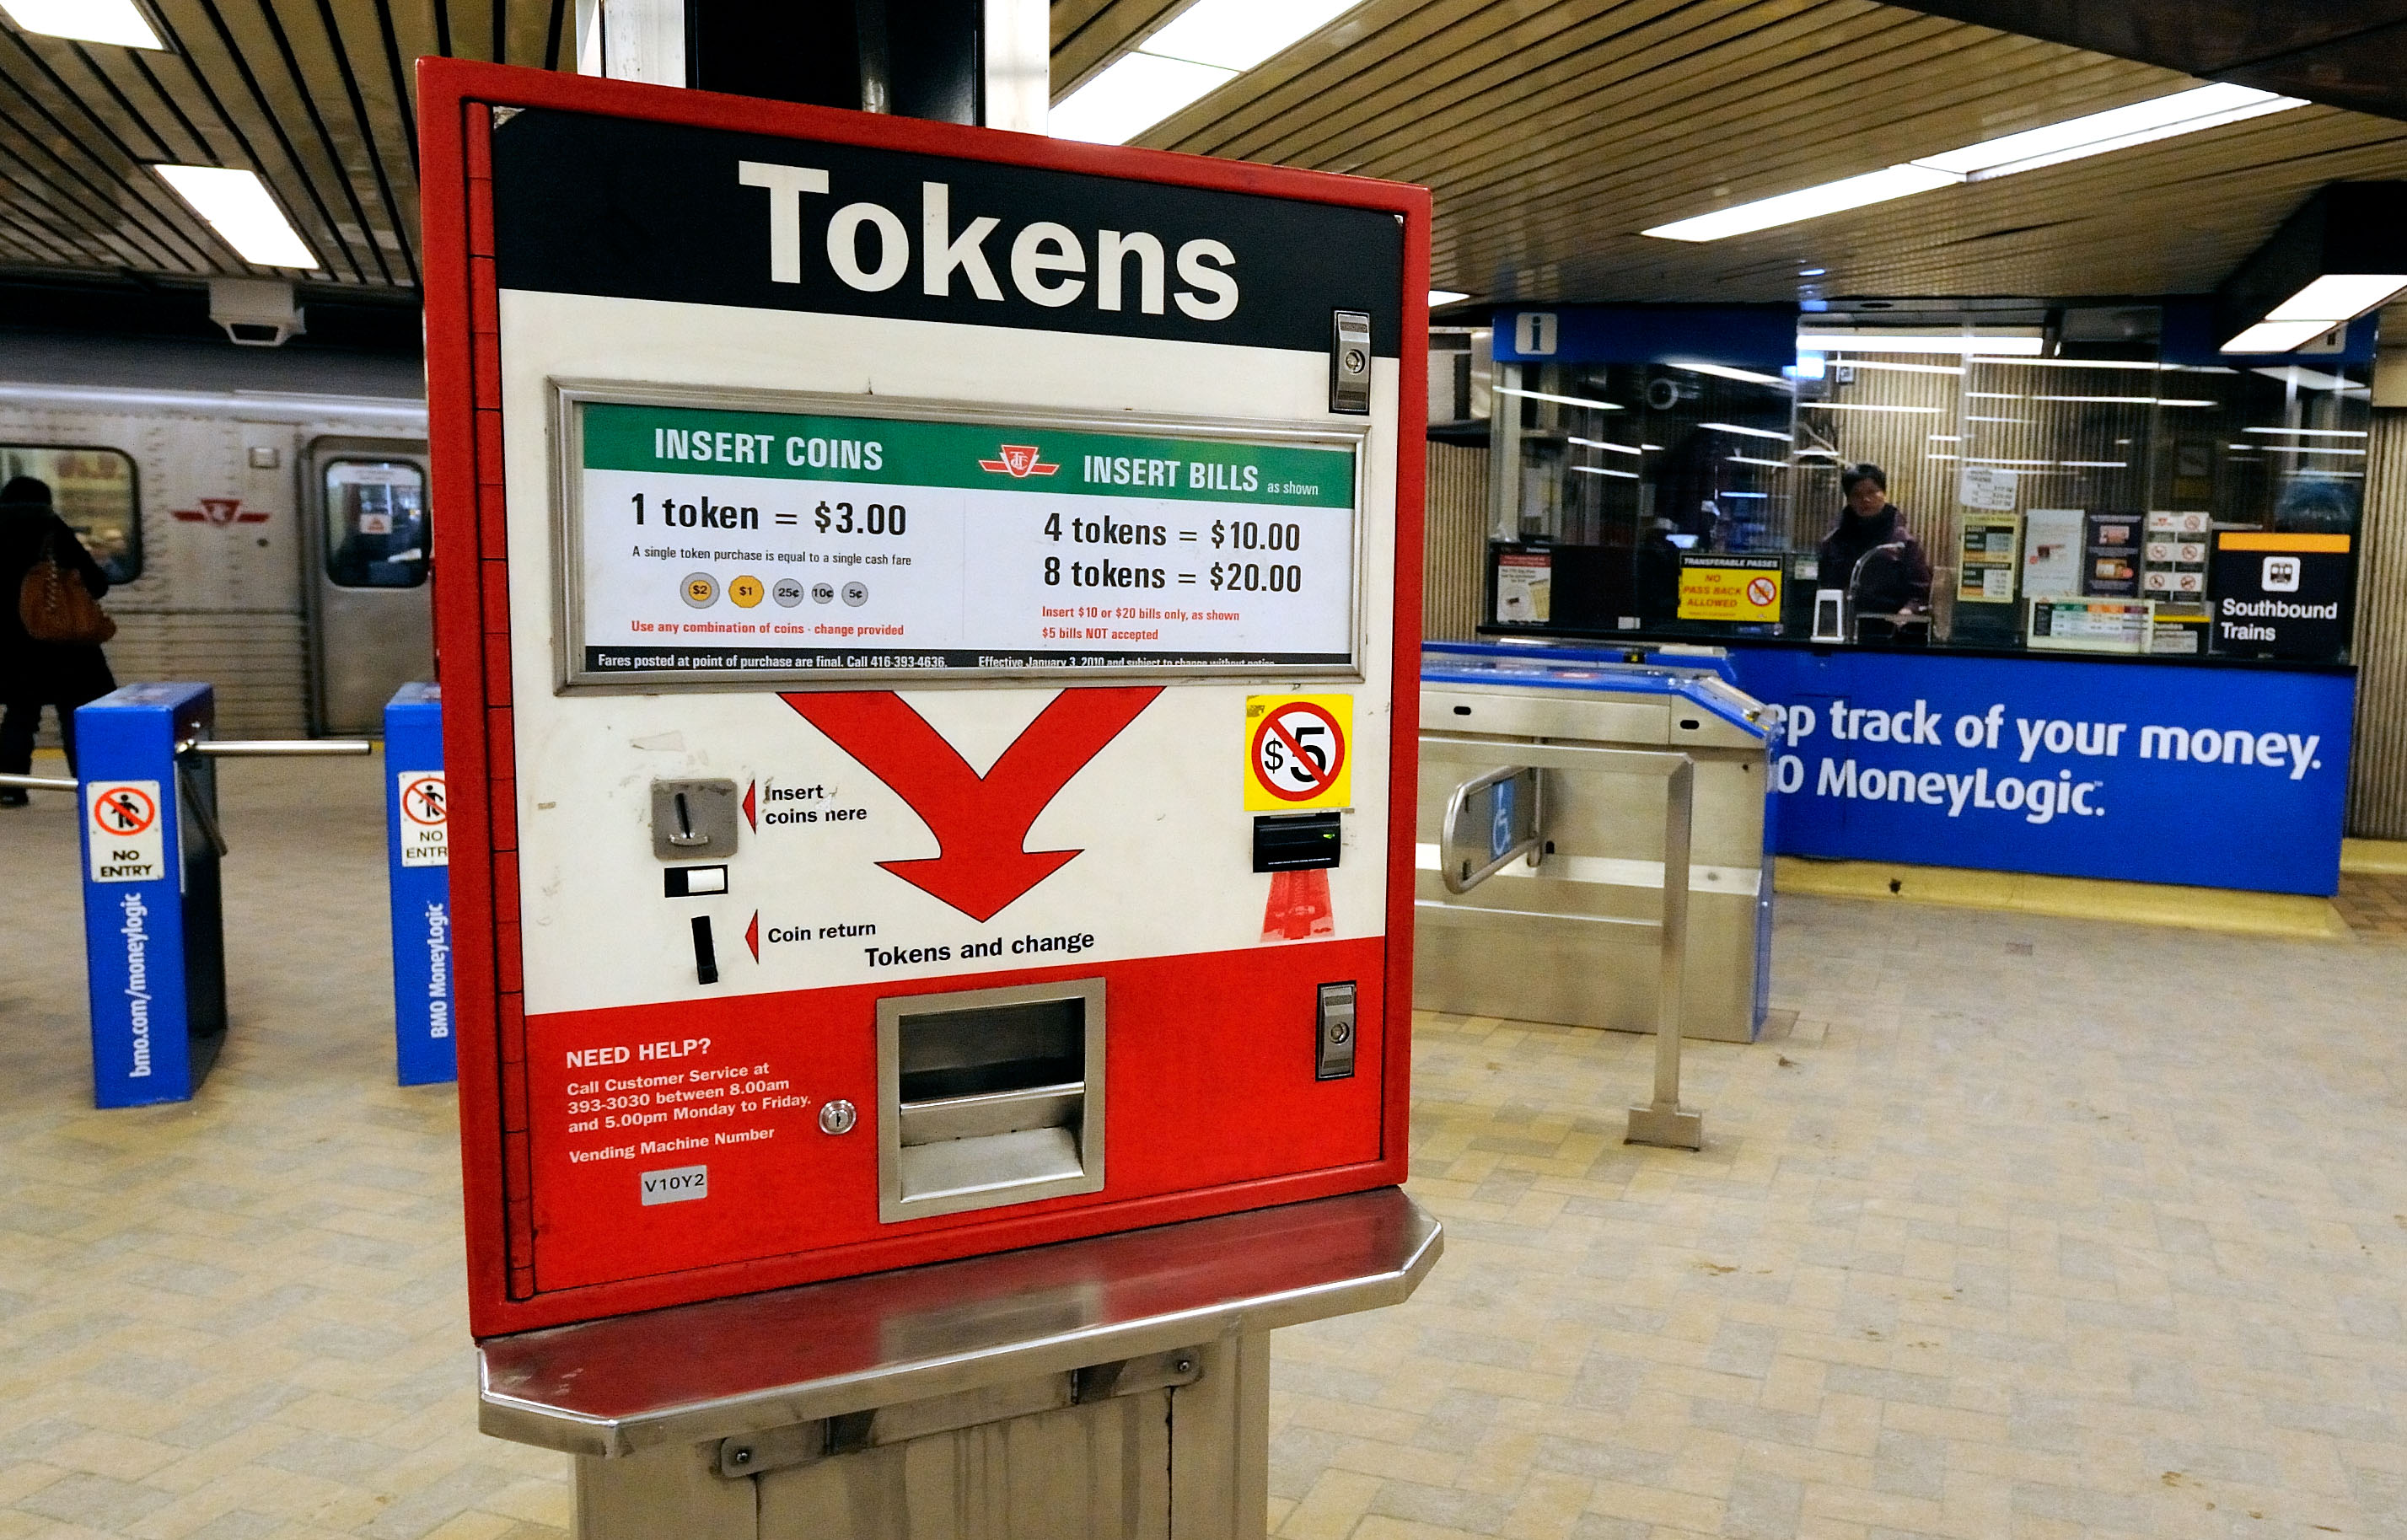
(2096, 623)
(931, 798)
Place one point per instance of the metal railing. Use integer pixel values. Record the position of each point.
(202, 809)
(1663, 1122)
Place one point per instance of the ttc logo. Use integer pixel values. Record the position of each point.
(222, 511)
(2280, 574)
(1018, 462)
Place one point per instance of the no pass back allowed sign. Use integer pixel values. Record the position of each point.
(1299, 752)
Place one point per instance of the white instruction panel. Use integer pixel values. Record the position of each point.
(708, 543)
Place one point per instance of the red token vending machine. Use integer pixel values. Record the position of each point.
(927, 631)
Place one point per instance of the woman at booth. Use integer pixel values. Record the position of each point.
(1897, 581)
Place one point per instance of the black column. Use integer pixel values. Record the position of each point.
(916, 58)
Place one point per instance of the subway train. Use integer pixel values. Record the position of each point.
(262, 512)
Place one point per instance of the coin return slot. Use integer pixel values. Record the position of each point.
(990, 1097)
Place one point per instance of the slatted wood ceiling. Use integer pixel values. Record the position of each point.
(1551, 132)
(314, 94)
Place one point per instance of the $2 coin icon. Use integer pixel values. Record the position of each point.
(700, 589)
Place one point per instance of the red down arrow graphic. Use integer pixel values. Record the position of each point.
(981, 822)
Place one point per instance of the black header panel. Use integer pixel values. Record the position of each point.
(637, 210)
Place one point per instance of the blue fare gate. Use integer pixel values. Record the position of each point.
(155, 941)
(417, 838)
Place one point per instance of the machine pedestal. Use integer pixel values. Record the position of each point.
(1104, 1387)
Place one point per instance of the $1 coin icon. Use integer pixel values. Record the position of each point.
(745, 591)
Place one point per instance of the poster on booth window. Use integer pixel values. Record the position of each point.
(2110, 555)
(1985, 571)
(2052, 553)
(1991, 487)
(1525, 587)
(1741, 589)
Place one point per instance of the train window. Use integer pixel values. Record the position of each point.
(376, 523)
(94, 490)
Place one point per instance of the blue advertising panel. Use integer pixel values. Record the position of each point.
(2209, 776)
(419, 863)
(153, 948)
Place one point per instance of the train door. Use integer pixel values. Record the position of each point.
(371, 622)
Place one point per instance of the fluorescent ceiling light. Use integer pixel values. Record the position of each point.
(1896, 181)
(1905, 368)
(1750, 459)
(2136, 365)
(1137, 92)
(2128, 400)
(1603, 444)
(2306, 448)
(1994, 395)
(1565, 400)
(2098, 464)
(1445, 297)
(2119, 128)
(2093, 133)
(1237, 34)
(1750, 433)
(1869, 406)
(1211, 43)
(1912, 342)
(2311, 432)
(236, 205)
(1600, 470)
(2312, 379)
(2017, 422)
(2277, 336)
(1946, 438)
(119, 21)
(2337, 297)
(1721, 371)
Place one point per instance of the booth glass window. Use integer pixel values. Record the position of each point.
(2058, 503)
(376, 523)
(94, 491)
(1622, 471)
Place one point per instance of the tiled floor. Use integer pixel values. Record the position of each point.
(2373, 904)
(2030, 1229)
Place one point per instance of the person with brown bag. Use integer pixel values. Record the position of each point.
(51, 626)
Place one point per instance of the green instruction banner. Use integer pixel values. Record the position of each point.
(1001, 457)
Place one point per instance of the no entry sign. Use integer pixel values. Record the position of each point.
(877, 539)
